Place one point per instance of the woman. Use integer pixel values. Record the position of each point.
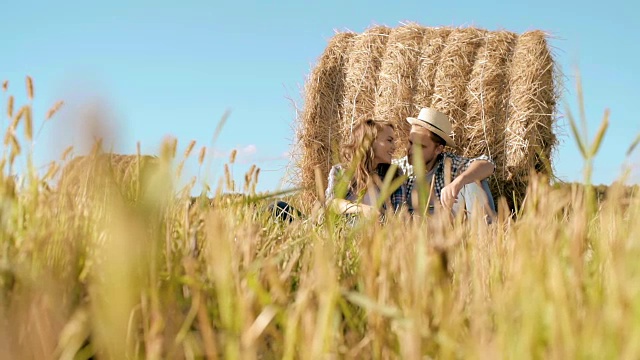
(355, 185)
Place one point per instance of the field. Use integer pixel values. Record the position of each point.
(138, 269)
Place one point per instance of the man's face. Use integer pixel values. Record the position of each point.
(419, 137)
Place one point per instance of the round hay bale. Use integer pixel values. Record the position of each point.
(529, 138)
(318, 135)
(452, 78)
(498, 87)
(398, 78)
(433, 42)
(487, 101)
(361, 76)
(126, 174)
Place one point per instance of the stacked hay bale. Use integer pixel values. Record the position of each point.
(499, 89)
(127, 174)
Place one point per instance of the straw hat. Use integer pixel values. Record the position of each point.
(436, 122)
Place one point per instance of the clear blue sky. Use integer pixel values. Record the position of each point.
(174, 70)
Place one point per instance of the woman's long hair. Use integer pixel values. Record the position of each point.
(358, 155)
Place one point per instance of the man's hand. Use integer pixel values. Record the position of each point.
(477, 171)
(449, 193)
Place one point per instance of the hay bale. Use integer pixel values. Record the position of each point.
(432, 45)
(452, 78)
(127, 174)
(529, 130)
(487, 101)
(497, 87)
(318, 135)
(398, 79)
(361, 76)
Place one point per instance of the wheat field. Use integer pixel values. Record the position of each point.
(87, 272)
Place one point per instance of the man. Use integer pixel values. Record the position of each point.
(430, 133)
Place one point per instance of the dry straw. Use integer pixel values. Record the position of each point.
(361, 76)
(318, 134)
(126, 172)
(452, 77)
(499, 88)
(487, 100)
(398, 78)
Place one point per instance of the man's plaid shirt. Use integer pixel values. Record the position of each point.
(458, 165)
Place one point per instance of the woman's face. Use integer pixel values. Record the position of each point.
(383, 146)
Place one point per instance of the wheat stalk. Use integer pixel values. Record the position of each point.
(54, 109)
(10, 107)
(30, 88)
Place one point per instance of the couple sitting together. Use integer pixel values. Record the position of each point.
(455, 181)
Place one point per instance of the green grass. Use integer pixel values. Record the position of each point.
(93, 273)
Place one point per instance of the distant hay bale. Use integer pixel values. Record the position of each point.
(498, 88)
(127, 173)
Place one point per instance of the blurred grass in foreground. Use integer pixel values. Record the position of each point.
(138, 269)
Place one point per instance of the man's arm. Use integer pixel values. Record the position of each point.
(477, 170)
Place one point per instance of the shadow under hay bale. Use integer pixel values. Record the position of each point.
(499, 88)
